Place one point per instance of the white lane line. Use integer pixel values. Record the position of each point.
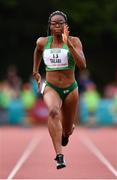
(91, 146)
(30, 148)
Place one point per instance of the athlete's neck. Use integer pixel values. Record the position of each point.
(57, 39)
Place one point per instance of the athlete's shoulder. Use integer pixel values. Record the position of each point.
(41, 40)
(76, 40)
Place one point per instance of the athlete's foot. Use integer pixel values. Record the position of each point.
(60, 161)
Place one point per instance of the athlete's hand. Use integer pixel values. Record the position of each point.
(37, 77)
(65, 33)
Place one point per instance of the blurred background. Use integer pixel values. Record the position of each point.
(21, 23)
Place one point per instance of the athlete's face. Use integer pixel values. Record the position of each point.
(57, 24)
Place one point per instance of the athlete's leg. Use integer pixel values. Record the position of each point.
(54, 103)
(69, 112)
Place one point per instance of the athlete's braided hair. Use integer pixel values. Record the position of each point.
(53, 14)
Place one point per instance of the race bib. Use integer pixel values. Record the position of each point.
(56, 58)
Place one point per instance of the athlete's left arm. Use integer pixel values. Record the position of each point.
(75, 48)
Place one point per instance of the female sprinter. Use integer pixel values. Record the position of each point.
(60, 52)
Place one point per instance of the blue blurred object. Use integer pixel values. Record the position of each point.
(84, 114)
(3, 116)
(104, 113)
(34, 86)
(16, 111)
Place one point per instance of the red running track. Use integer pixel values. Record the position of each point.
(27, 153)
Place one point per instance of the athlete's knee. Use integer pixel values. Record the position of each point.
(54, 112)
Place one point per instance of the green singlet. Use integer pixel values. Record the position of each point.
(57, 58)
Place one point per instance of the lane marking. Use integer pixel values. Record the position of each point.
(92, 147)
(30, 148)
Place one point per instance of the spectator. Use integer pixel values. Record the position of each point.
(90, 100)
(83, 80)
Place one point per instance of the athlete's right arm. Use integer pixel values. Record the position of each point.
(37, 58)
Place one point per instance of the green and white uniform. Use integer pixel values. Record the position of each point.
(58, 59)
